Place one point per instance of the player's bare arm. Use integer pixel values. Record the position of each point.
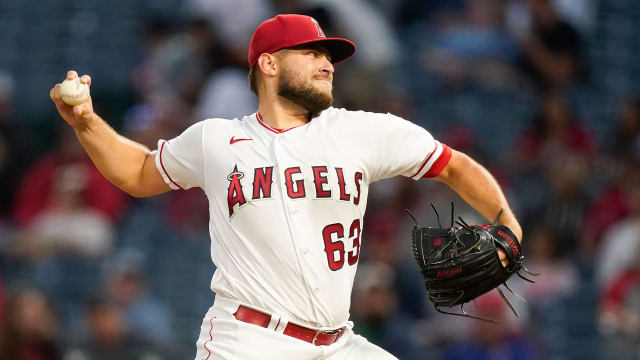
(128, 165)
(479, 189)
(475, 185)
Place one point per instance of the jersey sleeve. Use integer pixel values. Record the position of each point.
(403, 148)
(181, 160)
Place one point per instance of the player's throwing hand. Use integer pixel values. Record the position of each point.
(76, 115)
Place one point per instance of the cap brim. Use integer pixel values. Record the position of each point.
(340, 49)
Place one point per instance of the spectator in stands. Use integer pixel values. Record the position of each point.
(29, 330)
(558, 280)
(382, 244)
(388, 227)
(561, 200)
(408, 12)
(378, 316)
(551, 47)
(34, 194)
(475, 48)
(626, 142)
(67, 227)
(555, 129)
(61, 250)
(142, 123)
(3, 301)
(225, 93)
(610, 205)
(234, 21)
(169, 78)
(550, 167)
(187, 212)
(619, 314)
(620, 245)
(615, 167)
(558, 277)
(174, 63)
(14, 147)
(126, 288)
(108, 338)
(489, 340)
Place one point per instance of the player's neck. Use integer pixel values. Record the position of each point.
(282, 114)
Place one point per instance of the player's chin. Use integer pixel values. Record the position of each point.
(324, 86)
(325, 91)
(326, 97)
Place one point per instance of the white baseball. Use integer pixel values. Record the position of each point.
(74, 92)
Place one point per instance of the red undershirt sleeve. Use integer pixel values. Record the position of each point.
(440, 163)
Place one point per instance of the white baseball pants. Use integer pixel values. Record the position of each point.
(223, 337)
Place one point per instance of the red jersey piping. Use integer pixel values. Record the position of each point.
(277, 131)
(165, 170)
(425, 162)
(438, 165)
(210, 338)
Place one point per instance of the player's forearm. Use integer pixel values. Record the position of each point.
(119, 159)
(473, 183)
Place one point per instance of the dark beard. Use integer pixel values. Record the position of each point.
(305, 96)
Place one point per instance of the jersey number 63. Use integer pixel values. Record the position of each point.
(335, 248)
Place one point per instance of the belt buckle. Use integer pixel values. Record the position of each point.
(325, 332)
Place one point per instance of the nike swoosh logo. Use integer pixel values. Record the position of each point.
(234, 140)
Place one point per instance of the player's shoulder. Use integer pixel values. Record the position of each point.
(219, 125)
(212, 128)
(334, 114)
(347, 121)
(217, 122)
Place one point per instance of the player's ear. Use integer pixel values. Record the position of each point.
(268, 63)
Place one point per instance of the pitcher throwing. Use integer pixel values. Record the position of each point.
(287, 189)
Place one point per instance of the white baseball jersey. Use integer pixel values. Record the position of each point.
(286, 206)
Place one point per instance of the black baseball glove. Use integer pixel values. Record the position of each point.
(461, 263)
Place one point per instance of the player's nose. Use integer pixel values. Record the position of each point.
(327, 66)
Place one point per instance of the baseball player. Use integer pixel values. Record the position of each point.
(287, 189)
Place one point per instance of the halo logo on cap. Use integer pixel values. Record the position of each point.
(320, 32)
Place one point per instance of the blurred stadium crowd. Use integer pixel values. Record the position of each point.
(545, 93)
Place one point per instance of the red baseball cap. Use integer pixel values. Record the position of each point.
(288, 30)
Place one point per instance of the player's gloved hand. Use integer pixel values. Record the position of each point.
(461, 263)
(78, 115)
(505, 234)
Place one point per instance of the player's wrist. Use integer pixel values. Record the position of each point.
(515, 230)
(86, 122)
(508, 220)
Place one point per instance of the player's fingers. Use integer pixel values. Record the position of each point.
(55, 93)
(503, 257)
(78, 110)
(57, 98)
(71, 74)
(83, 109)
(86, 79)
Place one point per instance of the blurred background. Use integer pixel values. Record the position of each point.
(544, 93)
